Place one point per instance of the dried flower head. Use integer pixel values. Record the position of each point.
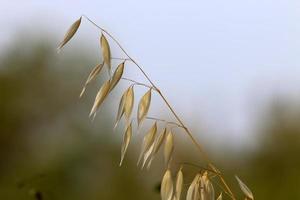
(201, 188)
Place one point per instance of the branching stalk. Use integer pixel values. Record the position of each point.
(165, 121)
(137, 83)
(187, 131)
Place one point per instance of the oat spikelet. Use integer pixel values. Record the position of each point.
(129, 102)
(159, 140)
(117, 76)
(193, 191)
(157, 144)
(220, 197)
(169, 147)
(143, 107)
(120, 109)
(126, 140)
(247, 192)
(103, 92)
(105, 52)
(167, 186)
(95, 71)
(179, 183)
(148, 141)
(70, 33)
(207, 189)
(147, 155)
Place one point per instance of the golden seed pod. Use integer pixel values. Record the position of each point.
(193, 191)
(159, 140)
(169, 147)
(207, 189)
(148, 141)
(120, 109)
(105, 52)
(156, 146)
(95, 71)
(167, 186)
(147, 155)
(129, 102)
(179, 184)
(143, 107)
(117, 76)
(126, 141)
(70, 33)
(103, 92)
(247, 192)
(220, 197)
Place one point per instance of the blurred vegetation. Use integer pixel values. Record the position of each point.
(273, 169)
(49, 149)
(48, 145)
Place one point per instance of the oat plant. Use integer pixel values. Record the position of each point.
(207, 178)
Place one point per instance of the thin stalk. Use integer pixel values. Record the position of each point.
(187, 131)
(220, 186)
(124, 59)
(137, 83)
(165, 121)
(199, 167)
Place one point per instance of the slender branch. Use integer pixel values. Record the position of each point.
(220, 186)
(187, 131)
(166, 121)
(92, 22)
(198, 166)
(124, 59)
(137, 83)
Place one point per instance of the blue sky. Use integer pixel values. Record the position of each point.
(217, 61)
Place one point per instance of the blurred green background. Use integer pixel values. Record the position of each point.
(49, 146)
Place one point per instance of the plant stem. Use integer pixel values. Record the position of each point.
(137, 83)
(166, 121)
(187, 131)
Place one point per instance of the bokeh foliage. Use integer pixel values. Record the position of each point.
(47, 141)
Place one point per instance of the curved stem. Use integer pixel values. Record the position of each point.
(199, 167)
(123, 59)
(166, 121)
(220, 186)
(187, 131)
(137, 83)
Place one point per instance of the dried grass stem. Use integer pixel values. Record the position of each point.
(187, 131)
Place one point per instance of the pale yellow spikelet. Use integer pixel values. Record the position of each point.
(120, 109)
(157, 144)
(247, 192)
(103, 91)
(70, 33)
(129, 102)
(148, 141)
(159, 140)
(143, 107)
(96, 70)
(105, 52)
(220, 197)
(169, 147)
(193, 191)
(167, 186)
(126, 141)
(117, 76)
(147, 155)
(179, 184)
(207, 189)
